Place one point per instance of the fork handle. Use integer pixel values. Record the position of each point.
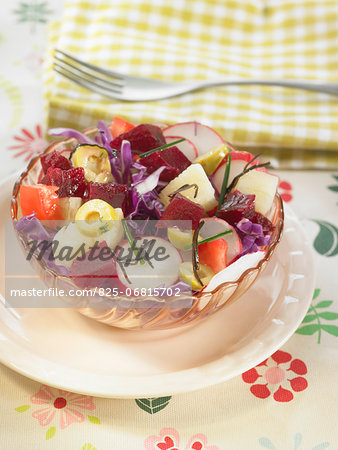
(308, 85)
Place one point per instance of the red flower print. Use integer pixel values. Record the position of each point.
(199, 442)
(169, 439)
(286, 189)
(66, 405)
(277, 375)
(29, 144)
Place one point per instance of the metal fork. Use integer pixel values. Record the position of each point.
(138, 89)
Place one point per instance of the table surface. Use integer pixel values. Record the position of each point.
(247, 412)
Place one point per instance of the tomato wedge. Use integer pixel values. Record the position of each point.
(214, 254)
(42, 200)
(119, 126)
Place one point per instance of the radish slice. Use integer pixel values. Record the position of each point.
(239, 160)
(202, 137)
(213, 226)
(235, 270)
(187, 147)
(165, 260)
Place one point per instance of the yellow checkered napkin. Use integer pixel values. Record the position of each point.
(206, 39)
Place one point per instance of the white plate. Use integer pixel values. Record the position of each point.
(62, 348)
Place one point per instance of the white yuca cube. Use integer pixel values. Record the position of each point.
(69, 242)
(262, 185)
(193, 174)
(115, 233)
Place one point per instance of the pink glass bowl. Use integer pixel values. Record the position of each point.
(163, 313)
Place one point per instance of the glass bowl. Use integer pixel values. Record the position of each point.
(135, 313)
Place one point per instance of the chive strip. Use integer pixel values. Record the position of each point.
(184, 188)
(224, 184)
(131, 240)
(209, 239)
(195, 257)
(142, 155)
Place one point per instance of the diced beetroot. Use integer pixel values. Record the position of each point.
(175, 158)
(142, 138)
(181, 208)
(171, 157)
(153, 161)
(72, 182)
(238, 206)
(56, 160)
(235, 206)
(53, 177)
(112, 193)
(214, 254)
(96, 269)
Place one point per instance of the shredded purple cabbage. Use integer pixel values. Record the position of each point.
(252, 236)
(31, 227)
(70, 133)
(105, 135)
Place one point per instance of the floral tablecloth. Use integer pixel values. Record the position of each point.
(289, 401)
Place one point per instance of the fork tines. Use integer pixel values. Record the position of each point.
(88, 75)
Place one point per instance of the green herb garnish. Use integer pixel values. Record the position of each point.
(142, 155)
(104, 228)
(224, 184)
(131, 240)
(209, 239)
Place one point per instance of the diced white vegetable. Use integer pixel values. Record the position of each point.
(193, 174)
(262, 185)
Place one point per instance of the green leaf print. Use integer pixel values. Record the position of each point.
(314, 315)
(22, 408)
(308, 330)
(33, 13)
(332, 329)
(326, 242)
(50, 433)
(334, 188)
(94, 419)
(152, 405)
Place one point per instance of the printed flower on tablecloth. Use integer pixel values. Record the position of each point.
(63, 408)
(30, 143)
(169, 439)
(285, 189)
(67, 404)
(279, 374)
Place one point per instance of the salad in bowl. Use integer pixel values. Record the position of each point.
(162, 225)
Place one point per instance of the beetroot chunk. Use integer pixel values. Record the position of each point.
(175, 158)
(72, 182)
(154, 161)
(235, 206)
(142, 138)
(112, 193)
(239, 206)
(171, 157)
(181, 208)
(55, 160)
